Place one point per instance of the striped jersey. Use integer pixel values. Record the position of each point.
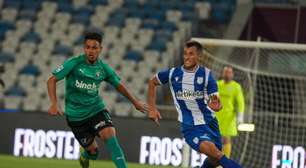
(190, 92)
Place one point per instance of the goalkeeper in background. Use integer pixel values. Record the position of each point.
(232, 99)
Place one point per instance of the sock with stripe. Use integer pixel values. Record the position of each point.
(116, 152)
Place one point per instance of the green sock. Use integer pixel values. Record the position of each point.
(116, 152)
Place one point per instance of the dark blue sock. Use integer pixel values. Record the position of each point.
(207, 164)
(228, 163)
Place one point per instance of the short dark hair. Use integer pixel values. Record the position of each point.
(195, 44)
(93, 36)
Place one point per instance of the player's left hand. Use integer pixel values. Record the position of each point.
(240, 118)
(214, 103)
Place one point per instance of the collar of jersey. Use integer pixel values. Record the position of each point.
(227, 83)
(85, 59)
(185, 70)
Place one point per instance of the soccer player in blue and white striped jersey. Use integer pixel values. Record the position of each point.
(195, 94)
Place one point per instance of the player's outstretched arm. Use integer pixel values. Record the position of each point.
(54, 109)
(140, 106)
(214, 102)
(153, 113)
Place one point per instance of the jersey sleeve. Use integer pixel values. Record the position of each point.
(163, 76)
(212, 87)
(240, 99)
(63, 70)
(111, 76)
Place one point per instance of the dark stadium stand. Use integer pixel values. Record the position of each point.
(36, 36)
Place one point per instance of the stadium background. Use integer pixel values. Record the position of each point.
(140, 38)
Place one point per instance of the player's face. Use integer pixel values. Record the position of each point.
(228, 74)
(92, 49)
(191, 58)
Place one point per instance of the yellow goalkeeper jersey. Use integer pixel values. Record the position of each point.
(232, 99)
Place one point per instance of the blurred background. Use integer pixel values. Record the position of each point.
(140, 38)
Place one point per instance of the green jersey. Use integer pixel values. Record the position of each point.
(82, 82)
(232, 99)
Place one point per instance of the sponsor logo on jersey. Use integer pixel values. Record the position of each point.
(190, 95)
(83, 85)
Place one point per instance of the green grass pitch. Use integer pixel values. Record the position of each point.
(23, 162)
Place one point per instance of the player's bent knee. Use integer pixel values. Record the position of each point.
(210, 149)
(107, 133)
(92, 150)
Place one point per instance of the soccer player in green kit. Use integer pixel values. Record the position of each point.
(84, 109)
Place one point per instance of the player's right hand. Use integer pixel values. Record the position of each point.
(54, 110)
(214, 103)
(154, 115)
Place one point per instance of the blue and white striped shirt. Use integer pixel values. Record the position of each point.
(190, 91)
